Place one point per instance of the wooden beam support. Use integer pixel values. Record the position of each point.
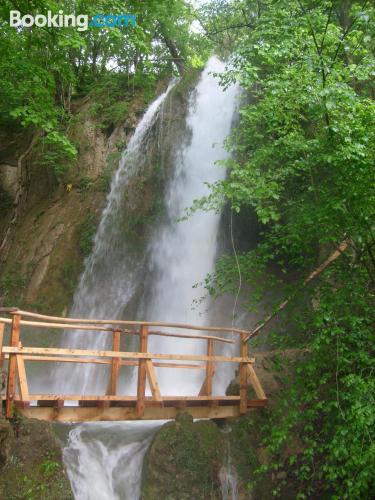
(125, 355)
(141, 386)
(67, 359)
(2, 358)
(22, 379)
(2, 328)
(206, 389)
(20, 404)
(93, 327)
(88, 414)
(255, 382)
(78, 397)
(180, 406)
(57, 406)
(243, 375)
(115, 364)
(103, 404)
(151, 375)
(116, 322)
(12, 368)
(210, 367)
(60, 326)
(203, 389)
(177, 365)
(62, 359)
(182, 336)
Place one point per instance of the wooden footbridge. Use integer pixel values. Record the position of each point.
(111, 405)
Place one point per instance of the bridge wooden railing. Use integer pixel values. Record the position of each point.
(111, 405)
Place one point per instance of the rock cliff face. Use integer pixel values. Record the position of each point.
(47, 225)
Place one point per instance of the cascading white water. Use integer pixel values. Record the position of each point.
(179, 255)
(110, 276)
(182, 253)
(227, 474)
(104, 460)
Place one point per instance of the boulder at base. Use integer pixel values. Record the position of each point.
(31, 463)
(184, 461)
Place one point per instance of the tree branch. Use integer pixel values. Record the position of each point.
(342, 247)
(325, 30)
(343, 36)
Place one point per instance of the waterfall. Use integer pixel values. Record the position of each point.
(111, 273)
(182, 253)
(104, 460)
(227, 474)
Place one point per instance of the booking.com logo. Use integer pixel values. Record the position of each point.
(61, 20)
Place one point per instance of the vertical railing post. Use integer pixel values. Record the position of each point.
(2, 376)
(209, 367)
(12, 367)
(206, 389)
(141, 387)
(2, 328)
(115, 365)
(244, 352)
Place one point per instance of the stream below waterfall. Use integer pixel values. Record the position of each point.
(104, 460)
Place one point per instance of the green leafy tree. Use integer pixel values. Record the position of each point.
(42, 69)
(303, 161)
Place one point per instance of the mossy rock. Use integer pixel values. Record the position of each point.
(248, 454)
(5, 433)
(183, 461)
(245, 447)
(32, 466)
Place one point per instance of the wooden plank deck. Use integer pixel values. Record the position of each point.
(126, 409)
